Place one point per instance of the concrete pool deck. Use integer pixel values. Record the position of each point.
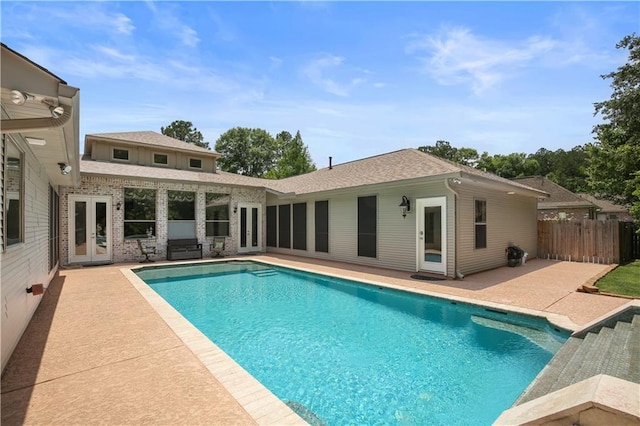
(96, 352)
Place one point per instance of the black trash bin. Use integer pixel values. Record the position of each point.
(514, 256)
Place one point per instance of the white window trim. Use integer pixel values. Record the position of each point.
(153, 159)
(196, 168)
(113, 158)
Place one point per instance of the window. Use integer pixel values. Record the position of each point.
(54, 228)
(13, 197)
(195, 163)
(161, 159)
(272, 226)
(181, 214)
(217, 214)
(367, 226)
(120, 154)
(284, 226)
(139, 213)
(322, 226)
(300, 226)
(481, 223)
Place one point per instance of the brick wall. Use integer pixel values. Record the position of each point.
(127, 250)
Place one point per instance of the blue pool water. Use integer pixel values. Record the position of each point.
(340, 352)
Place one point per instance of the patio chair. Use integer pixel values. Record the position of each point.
(146, 250)
(217, 247)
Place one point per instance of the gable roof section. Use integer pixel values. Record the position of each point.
(397, 166)
(101, 168)
(147, 138)
(605, 206)
(559, 196)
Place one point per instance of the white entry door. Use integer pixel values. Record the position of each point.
(431, 214)
(249, 227)
(89, 229)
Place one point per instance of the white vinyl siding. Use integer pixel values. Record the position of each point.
(26, 263)
(511, 219)
(396, 236)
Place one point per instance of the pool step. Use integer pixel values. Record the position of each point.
(611, 350)
(264, 273)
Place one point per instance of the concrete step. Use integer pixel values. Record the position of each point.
(595, 356)
(545, 379)
(582, 354)
(616, 362)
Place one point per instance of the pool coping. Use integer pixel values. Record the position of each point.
(259, 402)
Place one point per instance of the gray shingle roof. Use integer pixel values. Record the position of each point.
(606, 206)
(148, 138)
(87, 166)
(396, 166)
(558, 195)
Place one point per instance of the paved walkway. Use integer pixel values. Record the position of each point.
(96, 352)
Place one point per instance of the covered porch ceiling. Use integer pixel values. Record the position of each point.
(43, 111)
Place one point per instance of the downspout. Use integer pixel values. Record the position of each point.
(19, 125)
(459, 273)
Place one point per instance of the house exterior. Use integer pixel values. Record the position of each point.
(39, 155)
(561, 204)
(405, 210)
(606, 210)
(460, 220)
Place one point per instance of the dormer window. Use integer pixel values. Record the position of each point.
(120, 154)
(162, 159)
(195, 163)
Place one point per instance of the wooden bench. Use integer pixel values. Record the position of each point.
(184, 248)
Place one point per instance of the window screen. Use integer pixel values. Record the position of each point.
(272, 226)
(367, 226)
(300, 226)
(284, 226)
(322, 226)
(481, 223)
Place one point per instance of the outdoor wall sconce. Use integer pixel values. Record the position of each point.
(235, 209)
(65, 169)
(405, 206)
(119, 205)
(36, 289)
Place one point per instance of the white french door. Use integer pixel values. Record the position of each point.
(89, 229)
(431, 215)
(249, 227)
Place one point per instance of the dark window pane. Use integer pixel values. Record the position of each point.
(195, 163)
(481, 236)
(300, 226)
(120, 154)
(243, 227)
(13, 185)
(217, 229)
(481, 211)
(139, 204)
(272, 226)
(134, 230)
(284, 226)
(367, 226)
(322, 226)
(160, 158)
(254, 227)
(182, 205)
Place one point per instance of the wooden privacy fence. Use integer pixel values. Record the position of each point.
(590, 241)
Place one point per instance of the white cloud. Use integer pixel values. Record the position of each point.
(326, 69)
(457, 56)
(166, 18)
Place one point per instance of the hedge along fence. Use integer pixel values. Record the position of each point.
(589, 241)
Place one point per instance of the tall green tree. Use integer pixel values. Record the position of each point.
(614, 156)
(184, 131)
(249, 152)
(294, 159)
(509, 165)
(443, 149)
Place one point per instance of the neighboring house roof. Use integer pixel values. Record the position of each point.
(102, 168)
(396, 166)
(604, 205)
(559, 197)
(148, 138)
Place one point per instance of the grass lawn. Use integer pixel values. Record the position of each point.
(624, 280)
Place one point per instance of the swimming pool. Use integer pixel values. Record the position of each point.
(340, 352)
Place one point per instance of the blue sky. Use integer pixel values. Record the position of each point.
(356, 78)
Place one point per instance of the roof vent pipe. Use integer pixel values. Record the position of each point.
(330, 165)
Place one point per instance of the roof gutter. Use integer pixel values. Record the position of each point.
(20, 125)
